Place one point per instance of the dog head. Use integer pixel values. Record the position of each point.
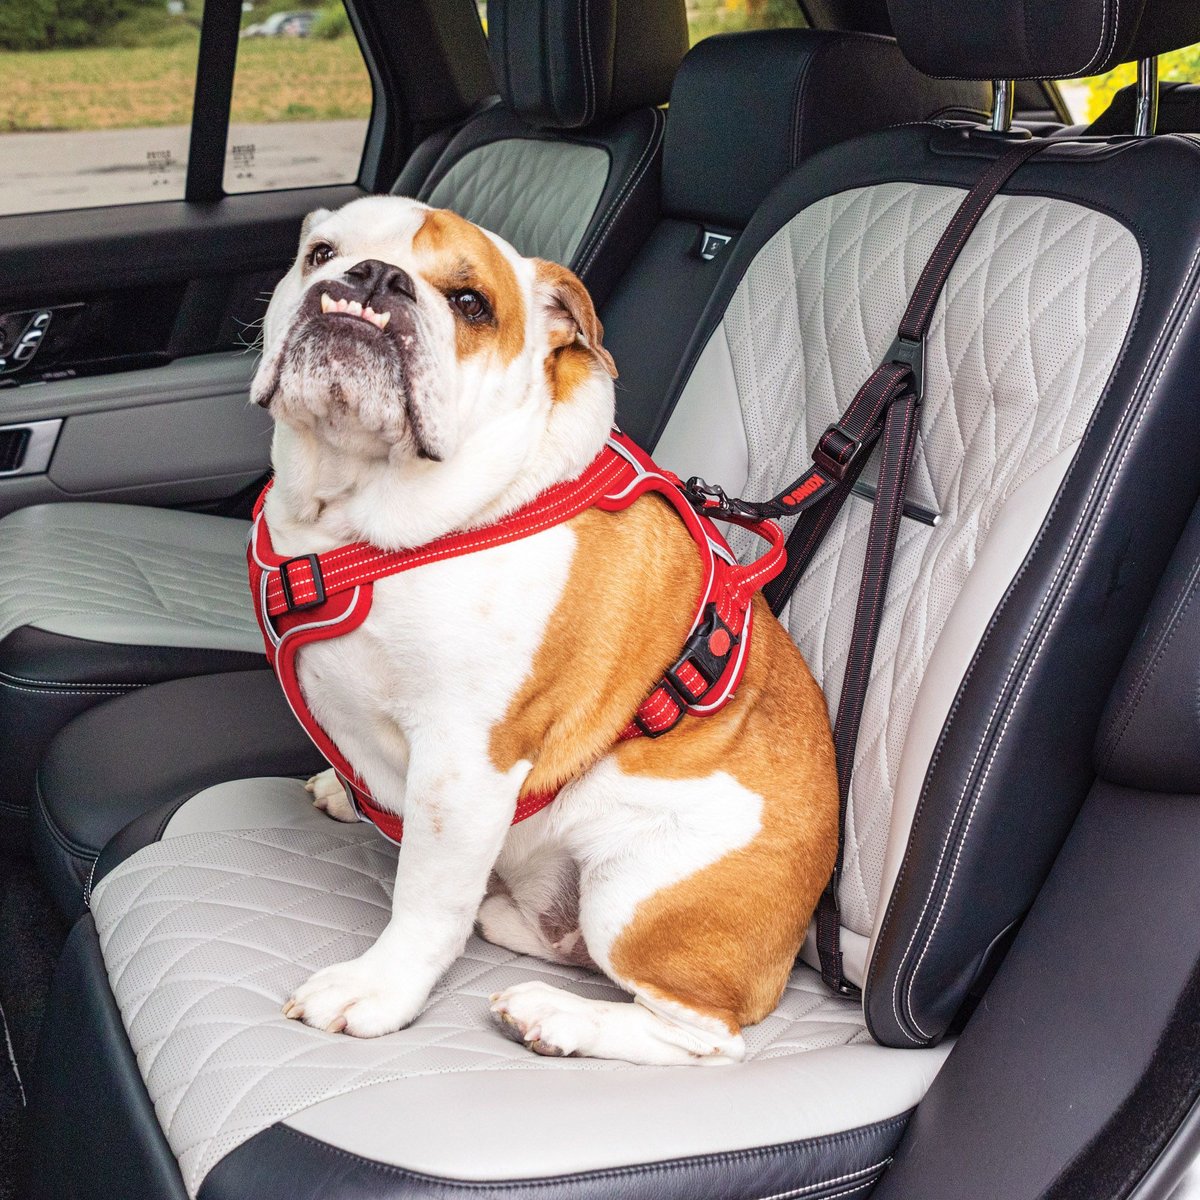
(407, 335)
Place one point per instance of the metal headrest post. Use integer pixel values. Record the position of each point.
(1003, 99)
(1146, 120)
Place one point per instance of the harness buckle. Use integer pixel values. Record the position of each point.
(707, 652)
(835, 451)
(318, 584)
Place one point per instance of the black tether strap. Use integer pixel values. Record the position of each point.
(886, 407)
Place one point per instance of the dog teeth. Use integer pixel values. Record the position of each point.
(354, 309)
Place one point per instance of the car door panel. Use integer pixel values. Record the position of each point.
(134, 328)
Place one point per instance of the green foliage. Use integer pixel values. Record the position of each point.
(1178, 65)
(152, 27)
(706, 17)
(332, 23)
(51, 24)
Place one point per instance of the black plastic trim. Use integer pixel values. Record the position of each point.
(216, 61)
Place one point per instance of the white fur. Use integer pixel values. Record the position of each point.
(412, 696)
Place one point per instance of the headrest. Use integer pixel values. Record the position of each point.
(560, 64)
(747, 107)
(1054, 39)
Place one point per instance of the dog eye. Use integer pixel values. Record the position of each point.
(469, 305)
(320, 254)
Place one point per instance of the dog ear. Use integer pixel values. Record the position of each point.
(570, 315)
(313, 218)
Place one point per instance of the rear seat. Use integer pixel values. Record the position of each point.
(1178, 111)
(745, 109)
(101, 599)
(797, 84)
(1060, 361)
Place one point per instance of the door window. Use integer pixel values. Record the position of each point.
(96, 101)
(301, 100)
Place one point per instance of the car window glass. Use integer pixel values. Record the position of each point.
(301, 99)
(706, 17)
(1087, 98)
(95, 101)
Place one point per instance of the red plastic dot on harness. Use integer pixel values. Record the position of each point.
(315, 597)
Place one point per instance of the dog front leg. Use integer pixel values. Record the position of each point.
(455, 822)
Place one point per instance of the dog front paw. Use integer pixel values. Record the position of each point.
(330, 796)
(354, 997)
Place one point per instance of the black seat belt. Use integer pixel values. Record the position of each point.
(885, 409)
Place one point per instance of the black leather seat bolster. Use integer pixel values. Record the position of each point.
(157, 746)
(1150, 736)
(114, 1146)
(283, 1164)
(1073, 1058)
(47, 678)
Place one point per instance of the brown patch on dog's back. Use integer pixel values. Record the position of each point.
(457, 255)
(723, 941)
(600, 656)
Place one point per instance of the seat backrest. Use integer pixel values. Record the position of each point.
(745, 109)
(565, 165)
(1055, 468)
(1178, 111)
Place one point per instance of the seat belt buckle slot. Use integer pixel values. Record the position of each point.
(836, 452)
(286, 582)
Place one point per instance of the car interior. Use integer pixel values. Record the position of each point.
(1019, 921)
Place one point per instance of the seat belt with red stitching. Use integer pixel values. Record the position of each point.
(315, 597)
(886, 407)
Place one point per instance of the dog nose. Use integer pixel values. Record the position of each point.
(376, 278)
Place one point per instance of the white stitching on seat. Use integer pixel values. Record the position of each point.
(1189, 277)
(809, 1188)
(50, 691)
(5, 676)
(640, 168)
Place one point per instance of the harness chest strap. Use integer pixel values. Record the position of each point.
(321, 596)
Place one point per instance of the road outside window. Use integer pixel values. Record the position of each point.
(96, 101)
(301, 99)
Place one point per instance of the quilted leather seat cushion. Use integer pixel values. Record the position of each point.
(126, 575)
(205, 934)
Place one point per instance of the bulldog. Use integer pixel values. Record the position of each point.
(426, 379)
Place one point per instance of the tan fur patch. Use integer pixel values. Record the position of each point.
(723, 941)
(568, 368)
(457, 255)
(600, 656)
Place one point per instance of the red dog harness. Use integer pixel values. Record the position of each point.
(319, 596)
